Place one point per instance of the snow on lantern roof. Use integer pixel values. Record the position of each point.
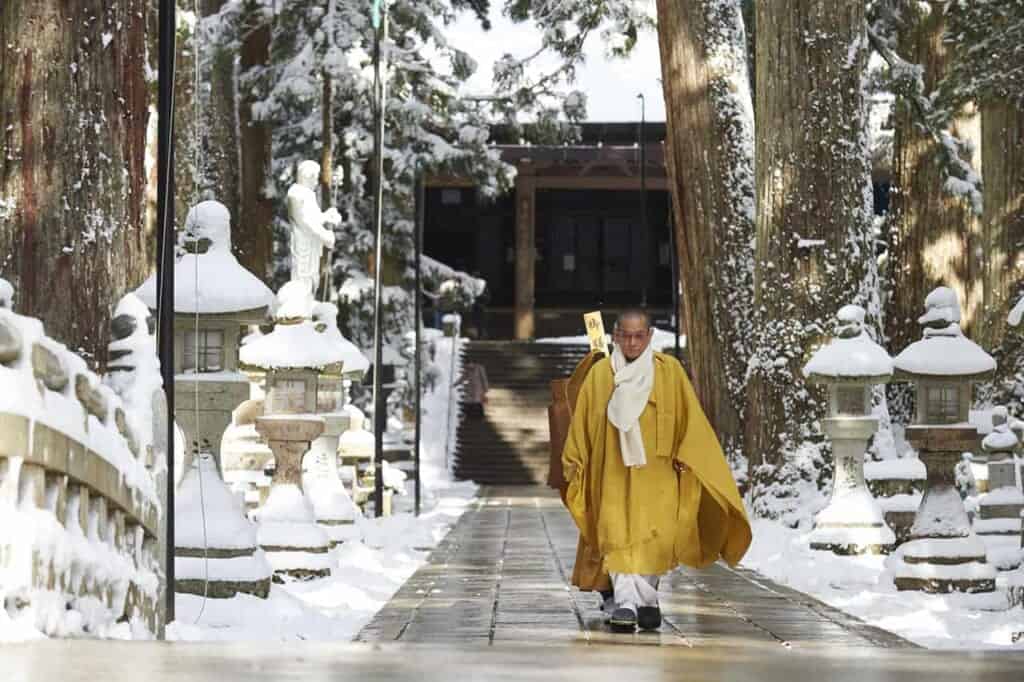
(852, 355)
(943, 351)
(293, 346)
(224, 286)
(353, 359)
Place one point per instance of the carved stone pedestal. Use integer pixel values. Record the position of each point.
(999, 524)
(332, 505)
(852, 523)
(295, 545)
(943, 553)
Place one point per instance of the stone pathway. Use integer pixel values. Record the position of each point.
(501, 577)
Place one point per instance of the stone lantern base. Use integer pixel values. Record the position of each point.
(943, 553)
(852, 523)
(897, 485)
(295, 545)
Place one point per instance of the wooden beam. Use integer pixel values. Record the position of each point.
(599, 183)
(526, 202)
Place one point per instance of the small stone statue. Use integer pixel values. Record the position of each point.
(308, 234)
(942, 313)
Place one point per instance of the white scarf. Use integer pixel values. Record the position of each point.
(634, 382)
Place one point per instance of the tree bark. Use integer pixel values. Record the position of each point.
(813, 229)
(254, 238)
(1002, 130)
(218, 97)
(932, 234)
(73, 116)
(711, 173)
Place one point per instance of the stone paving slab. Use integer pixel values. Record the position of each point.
(501, 577)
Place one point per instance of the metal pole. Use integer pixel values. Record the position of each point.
(165, 261)
(379, 419)
(643, 188)
(418, 247)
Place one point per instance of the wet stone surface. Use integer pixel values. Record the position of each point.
(502, 577)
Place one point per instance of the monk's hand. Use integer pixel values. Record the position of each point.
(679, 466)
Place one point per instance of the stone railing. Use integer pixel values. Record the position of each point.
(79, 509)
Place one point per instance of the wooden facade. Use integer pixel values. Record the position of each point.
(570, 237)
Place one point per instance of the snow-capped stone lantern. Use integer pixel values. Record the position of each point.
(1000, 509)
(214, 299)
(850, 365)
(943, 553)
(302, 363)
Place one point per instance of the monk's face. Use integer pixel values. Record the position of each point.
(633, 336)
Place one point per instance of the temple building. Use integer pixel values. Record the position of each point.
(569, 239)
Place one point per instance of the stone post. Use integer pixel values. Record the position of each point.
(295, 545)
(999, 522)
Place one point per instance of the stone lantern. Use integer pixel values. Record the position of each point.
(214, 298)
(850, 366)
(302, 365)
(1000, 509)
(943, 554)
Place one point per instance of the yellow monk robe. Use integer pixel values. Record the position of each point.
(649, 520)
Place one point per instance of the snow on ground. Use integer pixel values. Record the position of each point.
(366, 570)
(863, 587)
(365, 574)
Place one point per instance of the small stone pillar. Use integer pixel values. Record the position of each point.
(852, 522)
(999, 522)
(296, 546)
(943, 553)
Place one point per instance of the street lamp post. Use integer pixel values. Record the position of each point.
(380, 27)
(643, 183)
(417, 358)
(165, 265)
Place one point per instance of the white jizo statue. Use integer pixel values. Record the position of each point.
(309, 236)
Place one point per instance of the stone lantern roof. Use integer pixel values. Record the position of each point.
(852, 357)
(296, 342)
(944, 351)
(224, 286)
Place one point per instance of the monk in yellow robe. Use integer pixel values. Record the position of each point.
(647, 482)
